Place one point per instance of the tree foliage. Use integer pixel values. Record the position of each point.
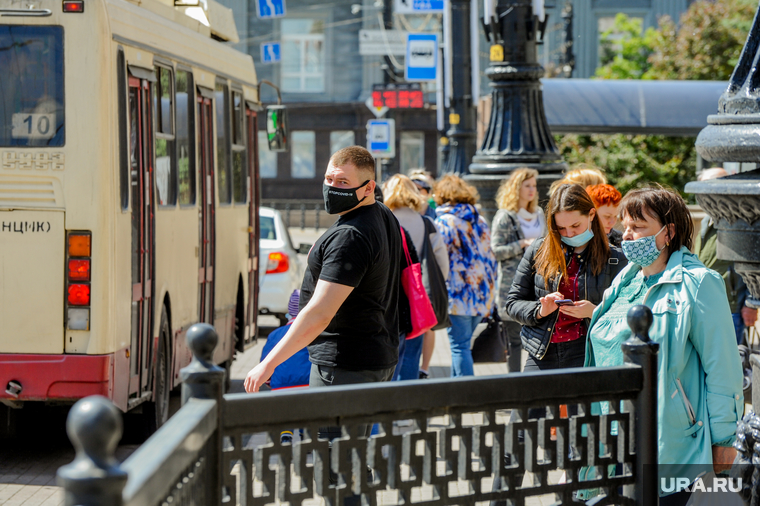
(704, 45)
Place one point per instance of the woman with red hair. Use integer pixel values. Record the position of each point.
(607, 199)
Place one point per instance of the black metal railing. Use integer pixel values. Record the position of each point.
(446, 441)
(306, 213)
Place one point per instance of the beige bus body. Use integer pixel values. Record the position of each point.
(47, 192)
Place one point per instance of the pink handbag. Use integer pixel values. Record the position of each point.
(420, 308)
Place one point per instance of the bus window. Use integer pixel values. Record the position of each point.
(185, 138)
(124, 167)
(163, 104)
(239, 174)
(223, 142)
(31, 90)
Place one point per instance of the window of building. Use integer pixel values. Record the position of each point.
(223, 143)
(267, 159)
(340, 139)
(163, 104)
(303, 148)
(303, 56)
(185, 140)
(412, 151)
(239, 174)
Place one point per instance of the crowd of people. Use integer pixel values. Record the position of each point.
(560, 280)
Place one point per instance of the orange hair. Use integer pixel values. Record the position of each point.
(604, 195)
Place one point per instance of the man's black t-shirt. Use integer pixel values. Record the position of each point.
(362, 250)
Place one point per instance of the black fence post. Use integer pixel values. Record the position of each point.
(641, 351)
(303, 216)
(317, 210)
(94, 478)
(202, 379)
(287, 214)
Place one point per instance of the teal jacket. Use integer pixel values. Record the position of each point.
(699, 381)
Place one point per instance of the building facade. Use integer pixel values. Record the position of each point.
(325, 81)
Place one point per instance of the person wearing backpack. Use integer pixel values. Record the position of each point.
(402, 197)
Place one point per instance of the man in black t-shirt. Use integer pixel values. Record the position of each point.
(349, 296)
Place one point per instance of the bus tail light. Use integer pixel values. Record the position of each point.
(79, 295)
(73, 5)
(79, 244)
(278, 262)
(78, 270)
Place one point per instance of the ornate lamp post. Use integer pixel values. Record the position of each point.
(518, 134)
(733, 135)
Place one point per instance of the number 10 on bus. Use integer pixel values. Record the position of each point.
(33, 126)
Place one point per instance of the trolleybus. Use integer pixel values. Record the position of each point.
(128, 197)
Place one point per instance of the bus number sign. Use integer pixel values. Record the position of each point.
(33, 126)
(398, 96)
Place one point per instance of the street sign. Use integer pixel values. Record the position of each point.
(382, 42)
(398, 96)
(381, 138)
(269, 9)
(270, 52)
(421, 57)
(379, 112)
(417, 6)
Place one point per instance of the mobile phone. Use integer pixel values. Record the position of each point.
(564, 302)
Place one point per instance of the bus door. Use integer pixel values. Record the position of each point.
(253, 225)
(206, 212)
(142, 174)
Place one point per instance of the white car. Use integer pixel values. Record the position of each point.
(279, 268)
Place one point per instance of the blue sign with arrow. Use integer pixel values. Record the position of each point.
(270, 52)
(269, 9)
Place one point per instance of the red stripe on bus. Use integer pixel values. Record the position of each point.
(64, 377)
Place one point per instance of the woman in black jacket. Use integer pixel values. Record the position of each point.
(573, 263)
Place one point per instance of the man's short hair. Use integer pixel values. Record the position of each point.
(357, 156)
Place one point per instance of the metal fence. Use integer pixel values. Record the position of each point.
(302, 213)
(446, 441)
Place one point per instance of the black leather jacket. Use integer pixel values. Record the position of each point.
(527, 287)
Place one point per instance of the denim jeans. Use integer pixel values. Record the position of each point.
(409, 353)
(460, 335)
(738, 326)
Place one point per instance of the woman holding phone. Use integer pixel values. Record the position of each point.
(560, 281)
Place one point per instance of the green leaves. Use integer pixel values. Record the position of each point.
(705, 45)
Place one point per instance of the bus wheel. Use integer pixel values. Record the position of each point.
(157, 412)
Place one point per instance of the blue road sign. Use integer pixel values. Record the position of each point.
(268, 9)
(421, 56)
(418, 6)
(270, 52)
(381, 138)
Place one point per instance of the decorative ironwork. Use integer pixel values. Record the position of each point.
(732, 209)
(431, 460)
(442, 441)
(518, 134)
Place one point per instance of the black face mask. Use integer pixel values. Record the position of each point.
(338, 200)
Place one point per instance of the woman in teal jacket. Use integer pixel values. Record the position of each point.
(699, 383)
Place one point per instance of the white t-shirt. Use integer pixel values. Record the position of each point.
(530, 224)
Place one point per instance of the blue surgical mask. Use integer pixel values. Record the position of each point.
(580, 239)
(642, 251)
